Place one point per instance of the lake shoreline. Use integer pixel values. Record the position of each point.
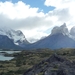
(7, 55)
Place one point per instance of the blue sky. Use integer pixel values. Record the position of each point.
(39, 4)
(35, 3)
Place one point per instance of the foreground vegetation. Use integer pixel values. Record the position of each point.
(26, 59)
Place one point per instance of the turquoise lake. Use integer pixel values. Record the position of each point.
(3, 58)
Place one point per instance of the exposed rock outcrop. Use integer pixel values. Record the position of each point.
(55, 65)
(62, 29)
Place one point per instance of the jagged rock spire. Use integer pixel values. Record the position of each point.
(62, 29)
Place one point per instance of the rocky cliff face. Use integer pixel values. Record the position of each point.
(62, 29)
(55, 65)
(17, 37)
(7, 43)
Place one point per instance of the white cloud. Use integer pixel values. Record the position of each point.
(21, 16)
(60, 3)
(64, 11)
(34, 35)
(18, 10)
(34, 22)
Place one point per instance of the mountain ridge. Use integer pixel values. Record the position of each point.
(6, 43)
(17, 37)
(60, 37)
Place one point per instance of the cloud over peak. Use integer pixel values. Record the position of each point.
(29, 19)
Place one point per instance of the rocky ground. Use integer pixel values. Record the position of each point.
(55, 65)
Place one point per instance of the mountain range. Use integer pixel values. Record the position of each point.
(60, 37)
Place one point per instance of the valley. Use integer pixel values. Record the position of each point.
(26, 59)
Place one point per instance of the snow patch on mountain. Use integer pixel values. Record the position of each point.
(17, 36)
